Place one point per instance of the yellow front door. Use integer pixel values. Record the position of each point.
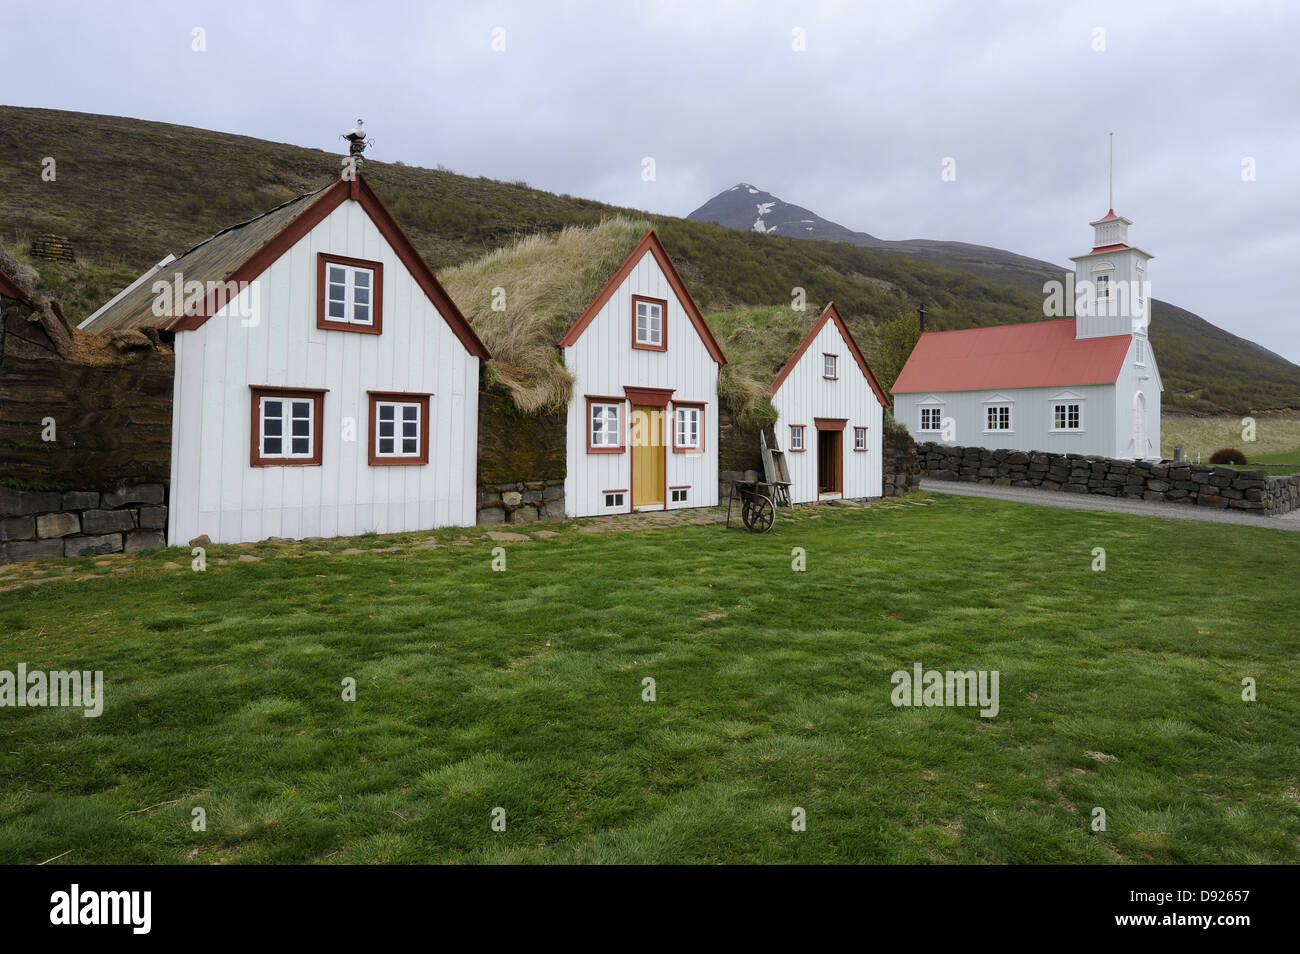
(648, 458)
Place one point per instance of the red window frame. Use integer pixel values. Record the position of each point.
(376, 326)
(397, 460)
(663, 323)
(315, 395)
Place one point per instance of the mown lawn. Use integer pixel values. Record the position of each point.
(522, 690)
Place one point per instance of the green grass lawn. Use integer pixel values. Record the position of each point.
(523, 690)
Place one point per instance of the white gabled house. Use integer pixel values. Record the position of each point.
(830, 415)
(325, 384)
(1083, 385)
(642, 426)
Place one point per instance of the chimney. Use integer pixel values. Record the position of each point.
(920, 312)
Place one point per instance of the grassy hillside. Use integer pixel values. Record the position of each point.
(128, 191)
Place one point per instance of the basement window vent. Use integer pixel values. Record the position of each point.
(679, 495)
(614, 500)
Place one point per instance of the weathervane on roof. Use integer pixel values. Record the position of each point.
(357, 143)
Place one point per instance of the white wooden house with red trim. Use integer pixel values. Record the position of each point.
(642, 428)
(830, 415)
(325, 383)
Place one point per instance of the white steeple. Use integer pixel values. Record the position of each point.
(1112, 287)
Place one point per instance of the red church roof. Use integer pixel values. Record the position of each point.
(1037, 354)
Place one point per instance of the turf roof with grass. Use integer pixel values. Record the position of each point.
(549, 279)
(545, 282)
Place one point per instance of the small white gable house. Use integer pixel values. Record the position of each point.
(830, 415)
(642, 426)
(1084, 385)
(325, 384)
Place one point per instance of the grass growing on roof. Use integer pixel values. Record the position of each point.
(547, 280)
(523, 690)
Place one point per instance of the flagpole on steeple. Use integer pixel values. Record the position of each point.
(1112, 171)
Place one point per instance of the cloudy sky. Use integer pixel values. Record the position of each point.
(571, 97)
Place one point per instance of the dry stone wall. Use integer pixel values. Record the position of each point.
(48, 525)
(1168, 481)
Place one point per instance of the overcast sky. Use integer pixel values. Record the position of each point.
(854, 126)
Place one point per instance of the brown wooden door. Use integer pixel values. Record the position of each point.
(830, 462)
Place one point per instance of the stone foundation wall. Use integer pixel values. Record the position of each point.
(48, 525)
(521, 501)
(1197, 484)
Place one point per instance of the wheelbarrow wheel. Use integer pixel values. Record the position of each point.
(758, 514)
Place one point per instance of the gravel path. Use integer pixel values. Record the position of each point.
(1144, 508)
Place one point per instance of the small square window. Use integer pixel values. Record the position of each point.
(400, 428)
(614, 499)
(1066, 417)
(679, 494)
(998, 417)
(931, 419)
(286, 427)
(830, 366)
(350, 294)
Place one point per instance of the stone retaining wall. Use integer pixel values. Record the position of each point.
(1198, 484)
(46, 525)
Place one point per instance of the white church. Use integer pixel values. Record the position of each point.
(1087, 384)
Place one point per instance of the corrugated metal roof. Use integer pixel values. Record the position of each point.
(212, 260)
(1036, 354)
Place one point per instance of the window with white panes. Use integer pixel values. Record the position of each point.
(998, 417)
(649, 317)
(606, 430)
(349, 294)
(687, 435)
(1067, 417)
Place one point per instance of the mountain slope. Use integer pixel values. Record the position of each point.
(129, 191)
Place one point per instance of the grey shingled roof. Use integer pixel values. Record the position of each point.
(212, 260)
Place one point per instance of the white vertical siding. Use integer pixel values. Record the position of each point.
(1031, 419)
(216, 492)
(806, 395)
(1133, 379)
(603, 362)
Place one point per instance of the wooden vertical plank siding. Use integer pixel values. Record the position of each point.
(802, 394)
(604, 362)
(215, 491)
